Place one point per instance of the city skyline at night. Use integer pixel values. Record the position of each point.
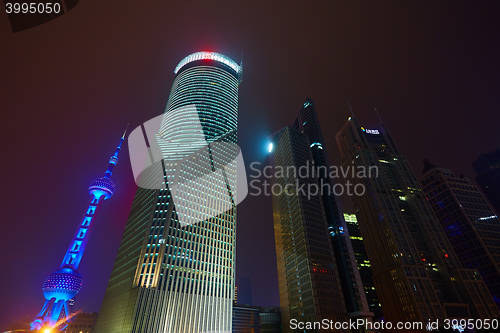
(430, 70)
(317, 271)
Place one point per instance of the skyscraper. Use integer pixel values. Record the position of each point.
(62, 285)
(318, 276)
(416, 272)
(487, 168)
(364, 266)
(174, 271)
(472, 227)
(352, 287)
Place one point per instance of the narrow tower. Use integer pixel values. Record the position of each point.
(66, 282)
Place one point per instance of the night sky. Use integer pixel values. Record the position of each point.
(69, 87)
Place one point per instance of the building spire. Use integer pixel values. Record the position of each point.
(379, 117)
(126, 128)
(114, 159)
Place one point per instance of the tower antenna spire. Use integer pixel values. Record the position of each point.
(114, 159)
(126, 128)
(379, 117)
(351, 109)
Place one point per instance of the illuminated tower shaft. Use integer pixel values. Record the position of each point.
(100, 189)
(65, 283)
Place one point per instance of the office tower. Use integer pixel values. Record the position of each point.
(364, 267)
(62, 285)
(174, 271)
(310, 275)
(472, 227)
(487, 168)
(354, 296)
(246, 319)
(416, 272)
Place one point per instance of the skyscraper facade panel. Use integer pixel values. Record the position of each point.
(309, 282)
(318, 276)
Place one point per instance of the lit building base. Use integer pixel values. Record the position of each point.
(177, 312)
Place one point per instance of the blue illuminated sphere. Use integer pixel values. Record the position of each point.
(102, 186)
(62, 284)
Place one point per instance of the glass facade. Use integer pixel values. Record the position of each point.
(246, 319)
(416, 272)
(270, 320)
(352, 287)
(470, 224)
(175, 267)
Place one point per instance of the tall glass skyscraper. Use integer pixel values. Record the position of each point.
(317, 272)
(416, 272)
(175, 267)
(308, 124)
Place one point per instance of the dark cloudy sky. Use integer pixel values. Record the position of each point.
(69, 87)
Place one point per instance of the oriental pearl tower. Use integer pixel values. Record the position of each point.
(66, 282)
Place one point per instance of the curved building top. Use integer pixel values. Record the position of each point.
(205, 55)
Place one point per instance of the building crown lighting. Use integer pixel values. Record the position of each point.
(205, 55)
